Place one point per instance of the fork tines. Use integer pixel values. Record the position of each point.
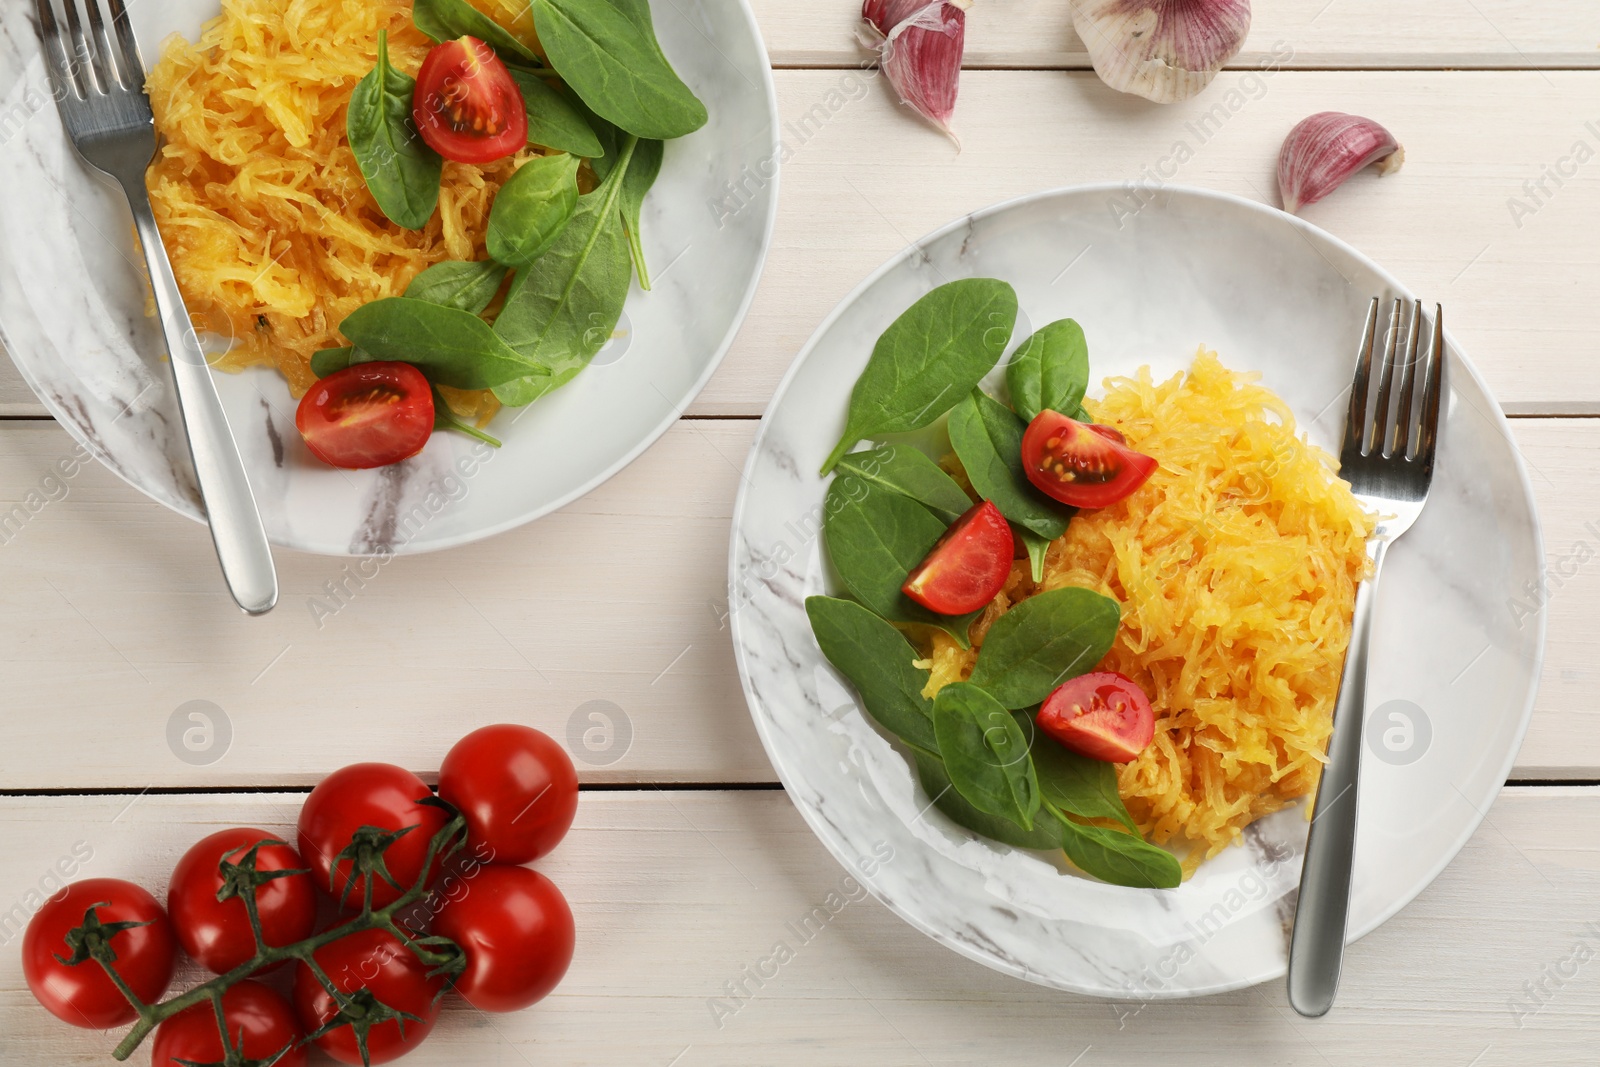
(82, 60)
(1409, 434)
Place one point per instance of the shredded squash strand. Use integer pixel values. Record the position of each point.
(1236, 566)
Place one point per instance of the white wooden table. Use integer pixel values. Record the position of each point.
(687, 860)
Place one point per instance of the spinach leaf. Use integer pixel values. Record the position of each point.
(1043, 641)
(466, 286)
(445, 419)
(452, 347)
(1046, 833)
(401, 171)
(985, 753)
(1050, 371)
(909, 472)
(1076, 784)
(928, 359)
(1036, 547)
(333, 360)
(875, 538)
(446, 20)
(642, 174)
(562, 311)
(1119, 858)
(877, 659)
(606, 51)
(552, 120)
(987, 437)
(532, 208)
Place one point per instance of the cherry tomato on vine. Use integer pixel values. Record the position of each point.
(517, 788)
(1103, 715)
(368, 415)
(374, 795)
(217, 932)
(968, 565)
(260, 1024)
(1081, 464)
(83, 994)
(516, 929)
(375, 961)
(467, 106)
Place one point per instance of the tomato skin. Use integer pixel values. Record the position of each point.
(368, 794)
(516, 929)
(377, 961)
(84, 995)
(517, 788)
(217, 933)
(967, 566)
(1081, 464)
(369, 415)
(257, 1018)
(1103, 715)
(467, 106)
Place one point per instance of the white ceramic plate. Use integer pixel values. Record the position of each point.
(72, 315)
(1453, 671)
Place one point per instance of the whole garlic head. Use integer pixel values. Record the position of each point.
(1162, 50)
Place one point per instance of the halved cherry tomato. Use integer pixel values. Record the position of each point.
(217, 932)
(260, 1023)
(516, 787)
(516, 929)
(369, 415)
(1103, 715)
(1080, 463)
(467, 106)
(968, 565)
(368, 796)
(378, 969)
(83, 994)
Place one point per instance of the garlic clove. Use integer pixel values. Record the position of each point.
(1323, 151)
(919, 45)
(1162, 50)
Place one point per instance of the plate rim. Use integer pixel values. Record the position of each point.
(186, 507)
(1307, 229)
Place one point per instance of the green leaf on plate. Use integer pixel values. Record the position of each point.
(401, 171)
(465, 286)
(1046, 833)
(446, 20)
(1050, 371)
(985, 753)
(877, 659)
(452, 347)
(1076, 784)
(1117, 857)
(909, 472)
(1044, 640)
(553, 121)
(532, 208)
(987, 438)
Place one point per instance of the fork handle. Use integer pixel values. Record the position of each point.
(235, 521)
(1316, 948)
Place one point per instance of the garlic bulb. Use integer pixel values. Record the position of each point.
(1323, 151)
(920, 44)
(1162, 50)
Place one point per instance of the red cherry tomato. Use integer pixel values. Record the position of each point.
(83, 994)
(258, 1019)
(467, 106)
(516, 929)
(1081, 464)
(368, 415)
(1103, 715)
(217, 932)
(376, 961)
(1110, 433)
(516, 787)
(368, 795)
(968, 565)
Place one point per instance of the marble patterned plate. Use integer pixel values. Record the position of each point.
(72, 315)
(1453, 669)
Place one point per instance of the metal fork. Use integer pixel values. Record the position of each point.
(1388, 462)
(99, 87)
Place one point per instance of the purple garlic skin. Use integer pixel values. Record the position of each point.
(920, 45)
(1323, 151)
(1162, 50)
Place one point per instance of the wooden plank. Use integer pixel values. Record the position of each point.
(1347, 34)
(115, 618)
(677, 895)
(867, 179)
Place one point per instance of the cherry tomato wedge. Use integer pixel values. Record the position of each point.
(516, 929)
(217, 932)
(517, 788)
(968, 565)
(467, 106)
(1103, 715)
(1080, 463)
(1110, 433)
(369, 415)
(83, 994)
(260, 1025)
